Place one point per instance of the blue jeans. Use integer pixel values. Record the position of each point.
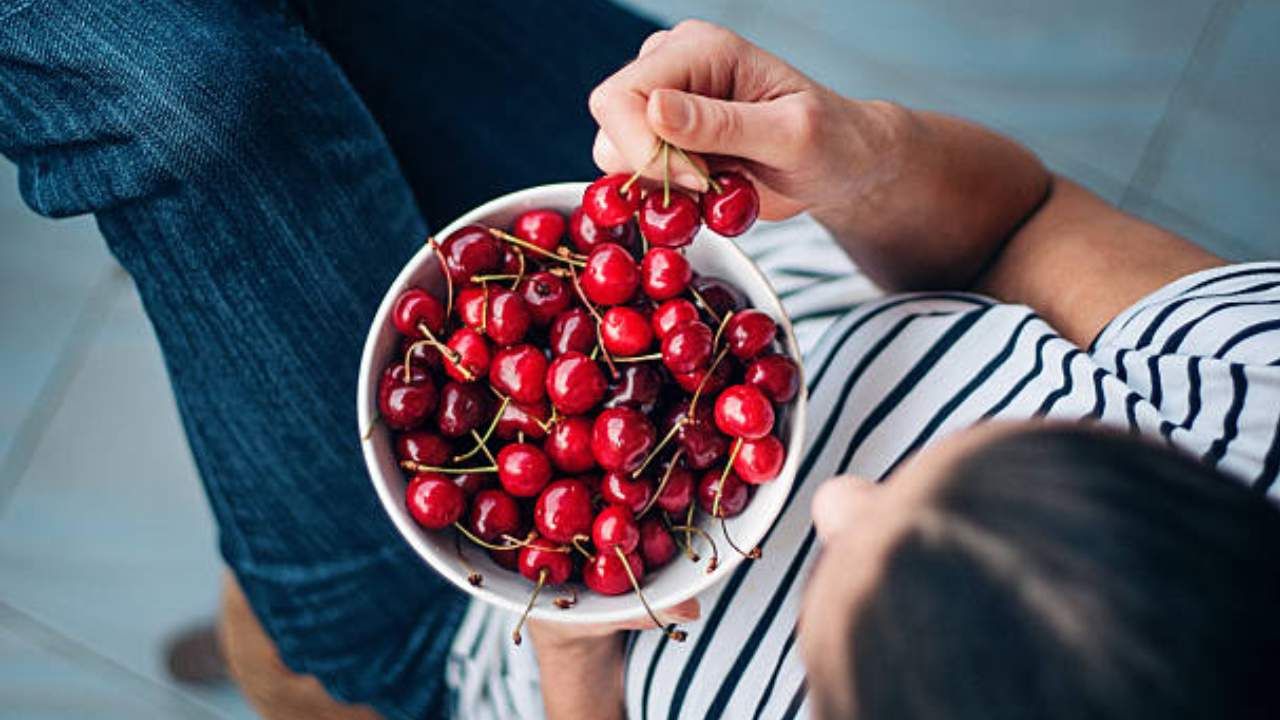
(263, 169)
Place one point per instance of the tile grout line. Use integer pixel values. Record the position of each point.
(71, 358)
(45, 636)
(1151, 161)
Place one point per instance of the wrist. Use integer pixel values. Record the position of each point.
(872, 145)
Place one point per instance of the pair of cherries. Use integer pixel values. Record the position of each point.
(671, 218)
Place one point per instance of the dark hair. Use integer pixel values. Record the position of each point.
(1069, 572)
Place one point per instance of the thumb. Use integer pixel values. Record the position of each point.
(707, 125)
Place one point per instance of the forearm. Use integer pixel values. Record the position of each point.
(935, 201)
(581, 680)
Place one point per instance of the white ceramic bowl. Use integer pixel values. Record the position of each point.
(680, 580)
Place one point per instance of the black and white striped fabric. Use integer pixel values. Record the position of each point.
(1197, 363)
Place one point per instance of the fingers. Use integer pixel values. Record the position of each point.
(748, 130)
(685, 612)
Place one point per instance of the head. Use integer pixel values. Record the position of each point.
(1044, 571)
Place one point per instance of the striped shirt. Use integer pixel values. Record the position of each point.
(1196, 363)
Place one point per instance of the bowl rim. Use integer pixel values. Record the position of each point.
(391, 502)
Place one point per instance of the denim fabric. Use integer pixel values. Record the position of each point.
(263, 173)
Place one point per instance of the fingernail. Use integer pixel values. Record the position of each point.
(675, 111)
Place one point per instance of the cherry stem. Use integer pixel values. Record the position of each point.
(421, 468)
(373, 423)
(511, 545)
(697, 168)
(697, 296)
(671, 630)
(666, 175)
(753, 554)
(702, 384)
(565, 602)
(577, 541)
(448, 276)
(662, 483)
(542, 580)
(473, 576)
(449, 353)
(714, 562)
(639, 358)
(644, 241)
(484, 310)
(728, 468)
(508, 237)
(482, 439)
(659, 143)
(715, 341)
(688, 536)
(493, 278)
(520, 272)
(517, 542)
(480, 443)
(604, 352)
(675, 428)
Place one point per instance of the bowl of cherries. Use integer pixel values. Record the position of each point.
(578, 405)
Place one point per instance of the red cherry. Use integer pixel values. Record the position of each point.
(749, 332)
(473, 355)
(575, 383)
(733, 501)
(434, 502)
(607, 204)
(417, 307)
(615, 527)
(494, 514)
(671, 315)
(545, 296)
(669, 224)
(719, 294)
(734, 209)
(619, 488)
(678, 492)
(777, 376)
(610, 276)
(510, 259)
(521, 372)
(471, 303)
(469, 483)
(639, 387)
(743, 411)
(542, 227)
(463, 407)
(426, 448)
(759, 461)
(471, 250)
(507, 559)
(664, 273)
(573, 330)
(541, 554)
(569, 445)
(563, 510)
(586, 234)
(421, 354)
(702, 443)
(508, 317)
(620, 439)
(523, 469)
(657, 547)
(688, 347)
(606, 575)
(527, 418)
(718, 380)
(625, 331)
(402, 403)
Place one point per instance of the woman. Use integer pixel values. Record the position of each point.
(1010, 570)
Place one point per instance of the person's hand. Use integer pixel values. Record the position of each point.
(705, 89)
(554, 635)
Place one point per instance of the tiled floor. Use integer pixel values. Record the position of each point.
(105, 541)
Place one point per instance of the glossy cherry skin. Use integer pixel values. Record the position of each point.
(716, 380)
(664, 273)
(569, 445)
(607, 204)
(463, 407)
(619, 488)
(678, 492)
(421, 354)
(545, 296)
(615, 527)
(473, 354)
(702, 443)
(542, 227)
(657, 547)
(470, 304)
(508, 317)
(541, 554)
(749, 332)
(563, 510)
(759, 461)
(434, 502)
(494, 514)
(639, 387)
(573, 330)
(732, 502)
(688, 347)
(670, 315)
(415, 307)
(719, 294)
(511, 259)
(669, 224)
(733, 209)
(520, 371)
(620, 439)
(586, 234)
(610, 276)
(469, 483)
(523, 469)
(575, 383)
(523, 418)
(403, 404)
(743, 411)
(777, 376)
(626, 331)
(507, 559)
(426, 448)
(606, 574)
(471, 250)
